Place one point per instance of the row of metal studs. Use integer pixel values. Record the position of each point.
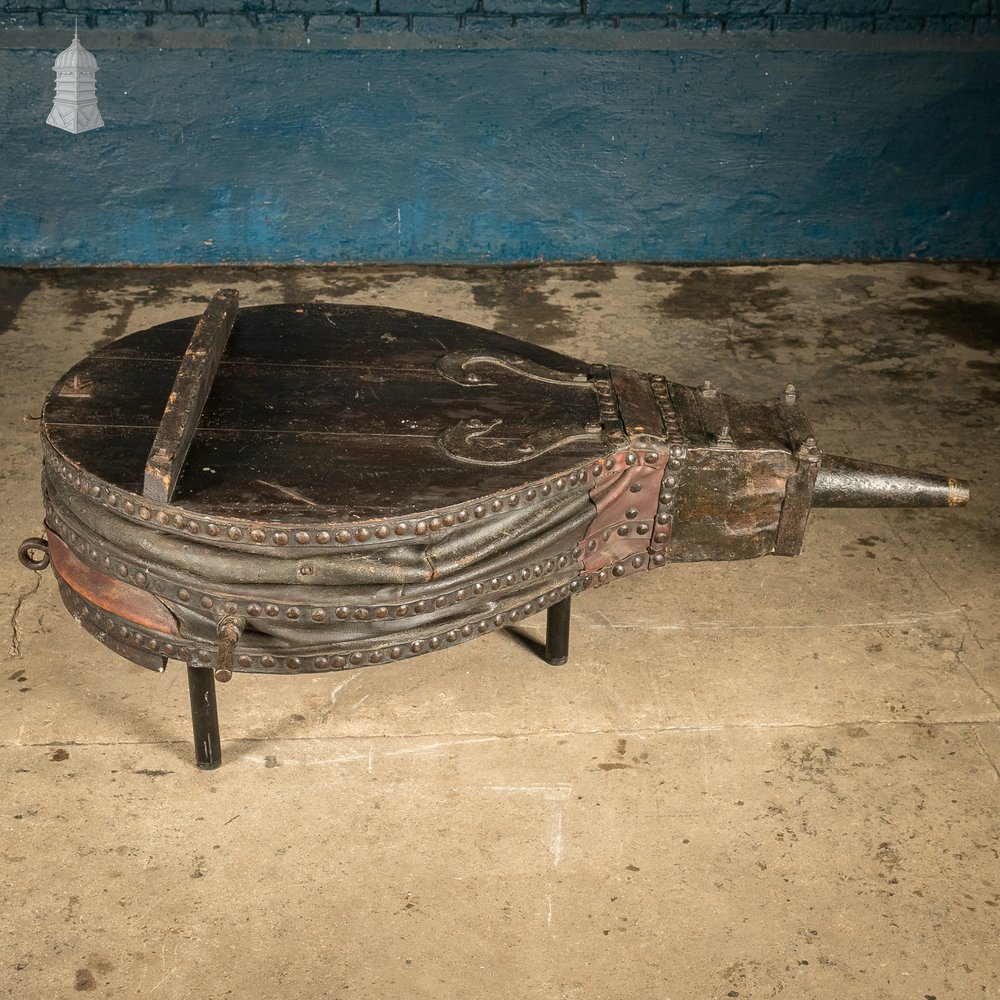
(189, 651)
(140, 509)
(677, 453)
(253, 609)
(607, 407)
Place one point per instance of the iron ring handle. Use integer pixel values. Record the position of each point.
(25, 550)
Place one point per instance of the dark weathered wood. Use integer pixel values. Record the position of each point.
(324, 476)
(330, 335)
(363, 402)
(188, 396)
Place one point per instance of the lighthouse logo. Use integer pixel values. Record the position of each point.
(75, 106)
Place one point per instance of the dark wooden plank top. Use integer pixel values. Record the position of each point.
(329, 413)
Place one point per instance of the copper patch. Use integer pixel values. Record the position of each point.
(108, 593)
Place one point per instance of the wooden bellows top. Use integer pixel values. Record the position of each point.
(324, 413)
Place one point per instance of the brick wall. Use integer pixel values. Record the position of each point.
(506, 17)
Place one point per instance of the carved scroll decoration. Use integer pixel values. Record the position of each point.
(469, 441)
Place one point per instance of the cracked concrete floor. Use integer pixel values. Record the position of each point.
(751, 779)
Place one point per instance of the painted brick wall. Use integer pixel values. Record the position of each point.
(431, 130)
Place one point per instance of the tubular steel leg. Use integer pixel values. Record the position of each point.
(557, 633)
(204, 717)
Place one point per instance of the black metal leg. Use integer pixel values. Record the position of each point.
(204, 718)
(557, 633)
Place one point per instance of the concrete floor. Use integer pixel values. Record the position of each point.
(755, 779)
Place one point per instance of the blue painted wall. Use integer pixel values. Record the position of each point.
(409, 130)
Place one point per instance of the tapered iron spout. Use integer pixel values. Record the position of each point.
(846, 482)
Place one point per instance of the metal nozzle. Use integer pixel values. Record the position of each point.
(846, 482)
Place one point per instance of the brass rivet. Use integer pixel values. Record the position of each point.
(343, 536)
(321, 663)
(235, 534)
(267, 662)
(253, 610)
(342, 613)
(257, 535)
(292, 613)
(319, 615)
(322, 537)
(302, 537)
(293, 663)
(362, 534)
(184, 595)
(381, 532)
(207, 603)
